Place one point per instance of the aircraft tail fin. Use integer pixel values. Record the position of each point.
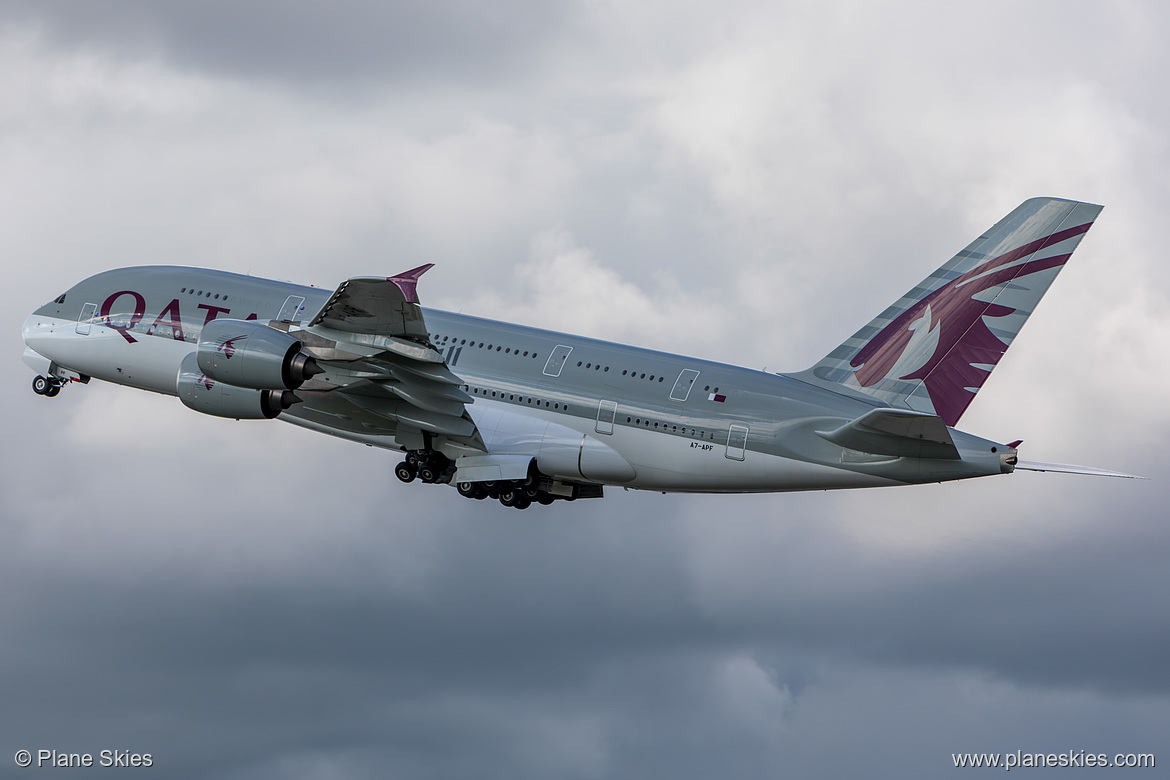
(933, 349)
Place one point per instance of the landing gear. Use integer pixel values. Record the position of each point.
(46, 386)
(433, 467)
(427, 465)
(474, 490)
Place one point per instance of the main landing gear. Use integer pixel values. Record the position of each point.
(46, 385)
(427, 465)
(519, 494)
(436, 468)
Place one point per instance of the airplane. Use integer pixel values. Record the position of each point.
(525, 415)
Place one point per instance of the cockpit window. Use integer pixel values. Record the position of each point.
(60, 300)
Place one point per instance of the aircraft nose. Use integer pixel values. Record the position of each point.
(38, 334)
(34, 332)
(28, 331)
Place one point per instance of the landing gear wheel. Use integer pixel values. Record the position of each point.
(52, 390)
(545, 499)
(508, 496)
(467, 489)
(41, 385)
(427, 474)
(405, 472)
(522, 502)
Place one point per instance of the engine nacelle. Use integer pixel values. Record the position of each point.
(203, 394)
(246, 353)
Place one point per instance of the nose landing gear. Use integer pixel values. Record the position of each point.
(46, 386)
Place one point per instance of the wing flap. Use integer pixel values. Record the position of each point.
(899, 432)
(423, 397)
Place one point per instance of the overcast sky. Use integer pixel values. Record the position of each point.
(743, 181)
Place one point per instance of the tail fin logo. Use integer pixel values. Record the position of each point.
(943, 340)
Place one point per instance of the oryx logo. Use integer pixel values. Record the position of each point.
(942, 338)
(203, 380)
(228, 347)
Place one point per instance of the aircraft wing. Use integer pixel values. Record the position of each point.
(376, 305)
(383, 375)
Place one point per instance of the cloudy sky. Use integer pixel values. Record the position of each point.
(743, 181)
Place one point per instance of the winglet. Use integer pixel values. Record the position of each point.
(407, 281)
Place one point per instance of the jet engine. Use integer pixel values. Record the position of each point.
(203, 394)
(246, 353)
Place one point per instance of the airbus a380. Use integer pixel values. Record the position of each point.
(525, 415)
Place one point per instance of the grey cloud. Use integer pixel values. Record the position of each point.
(340, 44)
(255, 601)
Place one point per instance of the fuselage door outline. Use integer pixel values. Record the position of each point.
(684, 383)
(737, 441)
(606, 413)
(556, 360)
(291, 310)
(85, 319)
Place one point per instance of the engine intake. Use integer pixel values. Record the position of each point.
(210, 396)
(246, 353)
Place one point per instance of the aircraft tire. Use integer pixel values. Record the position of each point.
(508, 496)
(522, 502)
(41, 385)
(52, 390)
(467, 489)
(545, 499)
(405, 472)
(427, 474)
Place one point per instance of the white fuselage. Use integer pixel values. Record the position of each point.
(612, 414)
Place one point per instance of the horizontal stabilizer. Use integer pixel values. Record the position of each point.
(1064, 468)
(900, 432)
